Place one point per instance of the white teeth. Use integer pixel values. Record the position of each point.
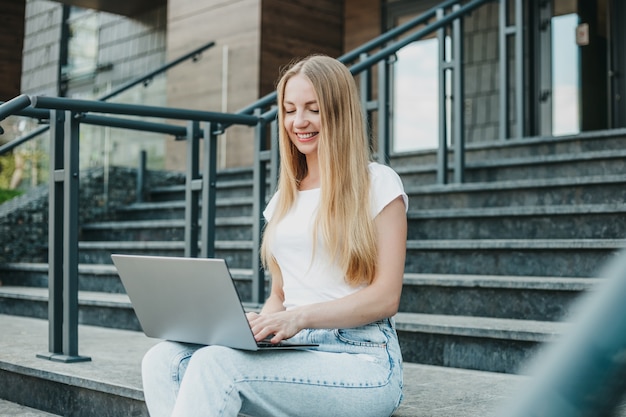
(305, 135)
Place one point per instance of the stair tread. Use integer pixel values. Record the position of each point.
(8, 408)
(116, 356)
(564, 209)
(486, 326)
(502, 281)
(171, 245)
(161, 223)
(514, 184)
(150, 205)
(535, 244)
(524, 160)
(526, 330)
(442, 280)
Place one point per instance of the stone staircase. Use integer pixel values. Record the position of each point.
(493, 265)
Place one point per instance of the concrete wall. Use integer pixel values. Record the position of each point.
(24, 219)
(40, 60)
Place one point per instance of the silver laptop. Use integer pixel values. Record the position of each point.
(191, 300)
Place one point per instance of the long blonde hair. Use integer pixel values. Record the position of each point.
(343, 216)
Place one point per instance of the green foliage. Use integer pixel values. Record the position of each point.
(7, 166)
(8, 194)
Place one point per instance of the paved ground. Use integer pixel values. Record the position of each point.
(8, 409)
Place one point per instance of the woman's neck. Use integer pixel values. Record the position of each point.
(312, 178)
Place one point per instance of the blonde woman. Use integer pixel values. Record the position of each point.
(335, 245)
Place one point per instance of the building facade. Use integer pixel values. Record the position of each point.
(572, 54)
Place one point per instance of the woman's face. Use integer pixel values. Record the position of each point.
(302, 115)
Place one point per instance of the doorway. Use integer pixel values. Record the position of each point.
(581, 63)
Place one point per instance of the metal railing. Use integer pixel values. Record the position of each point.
(66, 115)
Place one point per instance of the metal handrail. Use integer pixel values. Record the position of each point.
(382, 40)
(14, 105)
(143, 79)
(390, 50)
(122, 88)
(85, 106)
(66, 115)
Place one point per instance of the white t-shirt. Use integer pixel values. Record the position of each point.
(307, 280)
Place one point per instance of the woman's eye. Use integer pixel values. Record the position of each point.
(289, 111)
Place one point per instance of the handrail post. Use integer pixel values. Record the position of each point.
(258, 203)
(503, 130)
(520, 110)
(442, 150)
(55, 236)
(274, 155)
(458, 126)
(383, 111)
(193, 187)
(365, 92)
(209, 191)
(66, 246)
(141, 178)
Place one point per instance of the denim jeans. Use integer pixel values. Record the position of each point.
(353, 372)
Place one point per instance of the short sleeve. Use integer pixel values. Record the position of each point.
(270, 207)
(386, 186)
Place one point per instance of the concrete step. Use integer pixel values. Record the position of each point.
(227, 228)
(238, 254)
(530, 257)
(601, 189)
(589, 221)
(97, 278)
(91, 277)
(225, 207)
(510, 297)
(9, 409)
(110, 384)
(235, 188)
(533, 257)
(590, 163)
(481, 343)
(584, 221)
(522, 148)
(517, 297)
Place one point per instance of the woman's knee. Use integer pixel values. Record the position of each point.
(215, 360)
(165, 356)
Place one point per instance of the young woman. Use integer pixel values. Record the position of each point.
(335, 245)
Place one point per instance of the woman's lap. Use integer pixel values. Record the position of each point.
(353, 373)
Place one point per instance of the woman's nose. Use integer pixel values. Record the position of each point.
(300, 119)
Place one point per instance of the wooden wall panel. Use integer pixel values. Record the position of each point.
(362, 22)
(12, 14)
(297, 28)
(234, 26)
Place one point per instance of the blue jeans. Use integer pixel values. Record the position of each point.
(353, 372)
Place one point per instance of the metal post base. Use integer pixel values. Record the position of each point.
(59, 357)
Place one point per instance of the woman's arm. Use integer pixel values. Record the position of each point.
(378, 300)
(274, 302)
(276, 299)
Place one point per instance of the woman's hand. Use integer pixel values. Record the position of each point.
(276, 326)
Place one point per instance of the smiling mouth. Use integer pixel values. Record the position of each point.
(306, 136)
